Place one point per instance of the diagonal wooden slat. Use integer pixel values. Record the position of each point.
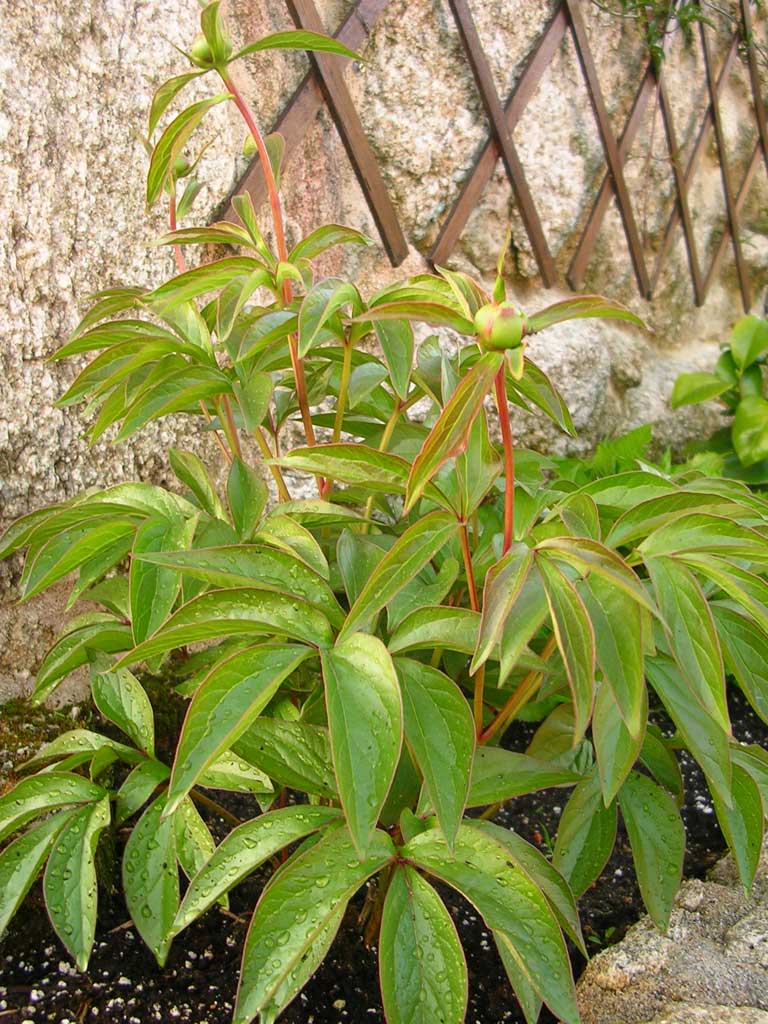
(350, 128)
(754, 79)
(700, 146)
(681, 190)
(725, 172)
(480, 175)
(609, 145)
(756, 159)
(302, 108)
(643, 96)
(514, 168)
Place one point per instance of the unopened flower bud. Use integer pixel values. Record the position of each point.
(500, 326)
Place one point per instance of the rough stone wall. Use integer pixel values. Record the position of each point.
(76, 81)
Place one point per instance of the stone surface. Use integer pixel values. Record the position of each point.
(77, 79)
(711, 966)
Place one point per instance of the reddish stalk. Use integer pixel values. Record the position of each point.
(282, 252)
(528, 686)
(479, 691)
(509, 460)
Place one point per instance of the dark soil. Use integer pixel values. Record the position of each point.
(123, 983)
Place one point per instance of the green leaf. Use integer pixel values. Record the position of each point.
(585, 836)
(547, 878)
(165, 95)
(138, 788)
(499, 775)
(746, 655)
(245, 849)
(190, 469)
(69, 550)
(615, 748)
(692, 388)
(294, 754)
(661, 762)
(698, 532)
(379, 472)
(325, 237)
(229, 698)
(534, 386)
(423, 971)
(503, 583)
(525, 993)
(85, 742)
(691, 634)
(530, 612)
(75, 649)
(221, 233)
(575, 640)
(240, 612)
(240, 565)
(41, 793)
(297, 907)
(172, 141)
(121, 698)
(509, 902)
(21, 862)
(580, 307)
(194, 842)
(427, 310)
(320, 304)
(450, 433)
(701, 733)
(363, 381)
(396, 340)
(749, 431)
(441, 733)
(253, 398)
(749, 340)
(754, 760)
(642, 519)
(439, 626)
(298, 40)
(265, 329)
(153, 589)
(235, 775)
(247, 495)
(593, 558)
(365, 717)
(617, 621)
(657, 837)
(151, 878)
(745, 588)
(742, 824)
(417, 546)
(284, 533)
(207, 278)
(70, 879)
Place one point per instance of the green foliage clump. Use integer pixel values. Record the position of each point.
(368, 648)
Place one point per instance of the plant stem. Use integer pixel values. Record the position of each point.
(234, 440)
(509, 460)
(222, 812)
(181, 266)
(519, 698)
(475, 604)
(346, 368)
(283, 492)
(282, 252)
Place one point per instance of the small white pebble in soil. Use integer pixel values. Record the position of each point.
(36, 995)
(339, 1004)
(618, 873)
(122, 980)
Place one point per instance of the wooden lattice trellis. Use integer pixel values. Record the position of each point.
(325, 84)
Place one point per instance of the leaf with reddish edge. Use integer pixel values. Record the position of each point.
(450, 434)
(582, 307)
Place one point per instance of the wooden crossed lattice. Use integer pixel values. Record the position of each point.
(325, 83)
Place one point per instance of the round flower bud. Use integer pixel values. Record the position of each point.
(201, 53)
(500, 326)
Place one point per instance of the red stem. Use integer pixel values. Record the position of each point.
(282, 252)
(509, 459)
(468, 567)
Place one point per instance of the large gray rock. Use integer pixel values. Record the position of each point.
(713, 960)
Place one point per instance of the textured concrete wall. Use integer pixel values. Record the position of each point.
(76, 80)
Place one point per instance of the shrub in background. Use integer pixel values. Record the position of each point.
(365, 651)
